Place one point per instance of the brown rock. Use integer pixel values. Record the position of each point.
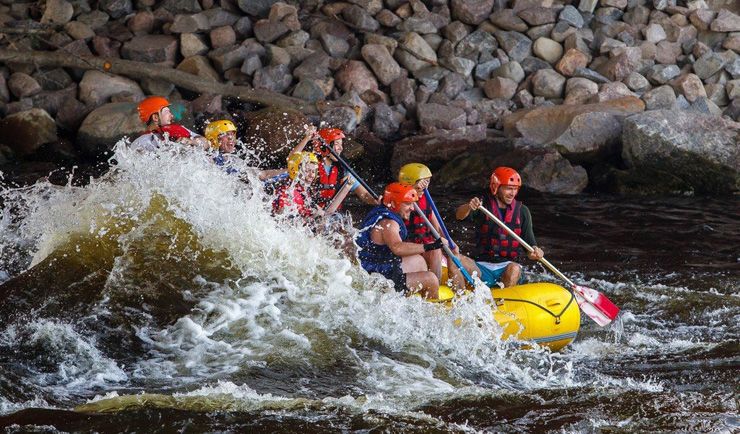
(667, 52)
(620, 66)
(441, 145)
(471, 11)
(97, 87)
(548, 83)
(105, 47)
(725, 21)
(538, 16)
(151, 49)
(702, 18)
(23, 85)
(24, 132)
(223, 36)
(200, 66)
(500, 87)
(57, 12)
(382, 62)
(690, 86)
(269, 31)
(354, 75)
(192, 44)
(611, 91)
(572, 60)
(437, 116)
(508, 20)
(107, 124)
(547, 50)
(271, 132)
(78, 30)
(142, 23)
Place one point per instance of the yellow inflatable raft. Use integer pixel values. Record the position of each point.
(544, 313)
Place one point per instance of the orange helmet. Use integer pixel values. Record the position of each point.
(328, 135)
(396, 193)
(504, 176)
(151, 105)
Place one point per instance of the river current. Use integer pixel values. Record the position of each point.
(163, 297)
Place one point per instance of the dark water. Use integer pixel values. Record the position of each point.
(185, 328)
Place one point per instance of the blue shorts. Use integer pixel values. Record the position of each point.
(491, 272)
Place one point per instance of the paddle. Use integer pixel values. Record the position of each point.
(593, 303)
(439, 218)
(362, 182)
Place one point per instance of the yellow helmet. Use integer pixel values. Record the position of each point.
(295, 161)
(216, 128)
(412, 172)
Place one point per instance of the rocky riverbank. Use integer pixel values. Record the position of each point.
(626, 96)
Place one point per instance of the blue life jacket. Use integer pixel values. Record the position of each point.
(376, 258)
(271, 185)
(220, 161)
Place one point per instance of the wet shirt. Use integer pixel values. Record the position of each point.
(150, 141)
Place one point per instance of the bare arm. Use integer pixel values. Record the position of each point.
(310, 132)
(389, 230)
(365, 196)
(463, 211)
(338, 198)
(264, 175)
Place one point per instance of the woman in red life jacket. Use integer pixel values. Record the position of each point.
(294, 191)
(498, 253)
(419, 176)
(155, 113)
(331, 174)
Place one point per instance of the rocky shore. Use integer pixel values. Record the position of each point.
(623, 96)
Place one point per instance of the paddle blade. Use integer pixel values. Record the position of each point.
(595, 304)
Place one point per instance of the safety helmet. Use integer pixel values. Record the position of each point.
(397, 193)
(328, 135)
(412, 172)
(296, 160)
(504, 176)
(216, 128)
(151, 105)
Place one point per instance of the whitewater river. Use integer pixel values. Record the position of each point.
(164, 297)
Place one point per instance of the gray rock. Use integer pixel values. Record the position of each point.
(660, 98)
(355, 75)
(309, 90)
(549, 172)
(587, 5)
(95, 19)
(437, 146)
(57, 12)
(483, 70)
(477, 42)
(459, 65)
(511, 70)
(726, 21)
(360, 19)
(516, 45)
(228, 57)
(452, 84)
(344, 118)
(192, 44)
(733, 110)
(181, 6)
(414, 52)
(256, 7)
(717, 94)
(244, 27)
(419, 24)
(662, 74)
(294, 39)
(733, 68)
(385, 121)
(269, 31)
(637, 82)
(78, 30)
(506, 19)
(276, 78)
(530, 65)
(500, 87)
(107, 124)
(185, 23)
(334, 45)
(382, 63)
(4, 93)
(23, 85)
(51, 100)
(682, 103)
(709, 64)
(435, 116)
(251, 64)
(151, 49)
(471, 11)
(590, 74)
(24, 132)
(97, 87)
(314, 66)
(218, 17)
(116, 8)
(706, 106)
(548, 83)
(682, 151)
(570, 15)
(71, 114)
(402, 92)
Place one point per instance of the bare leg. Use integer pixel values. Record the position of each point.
(434, 262)
(511, 275)
(423, 282)
(458, 280)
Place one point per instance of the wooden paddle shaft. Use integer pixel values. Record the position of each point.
(529, 248)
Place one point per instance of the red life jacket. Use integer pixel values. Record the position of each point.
(288, 195)
(328, 185)
(175, 132)
(493, 242)
(418, 231)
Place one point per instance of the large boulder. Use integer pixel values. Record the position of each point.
(24, 132)
(670, 151)
(97, 87)
(272, 133)
(438, 116)
(558, 126)
(542, 169)
(151, 49)
(107, 124)
(436, 147)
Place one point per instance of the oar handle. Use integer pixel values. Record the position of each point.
(526, 245)
(430, 201)
(352, 172)
(446, 248)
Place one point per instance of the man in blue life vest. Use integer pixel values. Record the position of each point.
(419, 176)
(332, 175)
(154, 111)
(383, 248)
(497, 252)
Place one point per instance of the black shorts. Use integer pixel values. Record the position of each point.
(399, 278)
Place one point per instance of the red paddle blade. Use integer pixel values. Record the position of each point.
(596, 305)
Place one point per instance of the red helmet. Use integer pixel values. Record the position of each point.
(396, 193)
(504, 176)
(150, 106)
(328, 135)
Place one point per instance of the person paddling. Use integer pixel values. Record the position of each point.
(419, 176)
(384, 249)
(294, 192)
(332, 175)
(155, 113)
(497, 252)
